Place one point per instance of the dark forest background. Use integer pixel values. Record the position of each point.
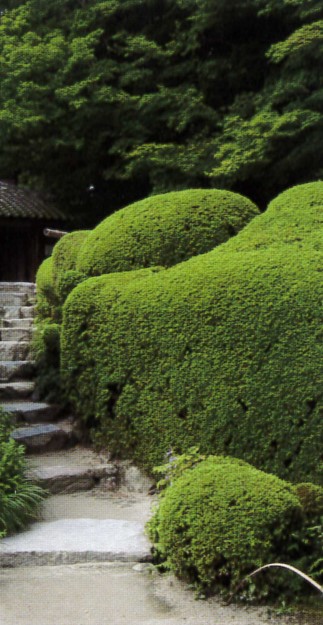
(104, 102)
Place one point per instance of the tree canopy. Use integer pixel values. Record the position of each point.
(105, 101)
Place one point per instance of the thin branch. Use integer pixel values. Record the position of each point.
(282, 566)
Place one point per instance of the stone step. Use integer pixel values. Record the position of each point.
(16, 312)
(14, 350)
(70, 541)
(27, 311)
(16, 370)
(31, 412)
(14, 299)
(63, 479)
(18, 287)
(16, 334)
(40, 438)
(10, 312)
(16, 390)
(18, 323)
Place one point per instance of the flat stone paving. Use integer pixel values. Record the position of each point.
(70, 541)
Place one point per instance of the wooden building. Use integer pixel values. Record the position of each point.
(23, 216)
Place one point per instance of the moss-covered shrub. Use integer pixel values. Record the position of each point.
(47, 303)
(223, 351)
(65, 253)
(88, 357)
(222, 519)
(19, 498)
(164, 230)
(56, 277)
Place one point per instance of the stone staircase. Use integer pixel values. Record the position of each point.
(39, 427)
(60, 465)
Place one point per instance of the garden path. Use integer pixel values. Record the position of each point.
(92, 525)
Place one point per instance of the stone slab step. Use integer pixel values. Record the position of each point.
(66, 479)
(18, 323)
(16, 312)
(16, 390)
(17, 333)
(71, 541)
(31, 412)
(14, 350)
(18, 287)
(10, 312)
(14, 299)
(41, 438)
(16, 370)
(27, 311)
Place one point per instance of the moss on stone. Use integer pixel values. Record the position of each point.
(223, 350)
(164, 230)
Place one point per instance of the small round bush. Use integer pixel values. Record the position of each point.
(222, 519)
(164, 230)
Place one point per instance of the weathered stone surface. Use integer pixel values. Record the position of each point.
(14, 370)
(13, 298)
(67, 479)
(9, 312)
(27, 311)
(41, 438)
(18, 323)
(31, 412)
(18, 287)
(16, 390)
(14, 350)
(69, 541)
(15, 334)
(133, 479)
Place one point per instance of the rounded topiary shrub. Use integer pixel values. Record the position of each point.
(223, 350)
(164, 230)
(64, 258)
(222, 519)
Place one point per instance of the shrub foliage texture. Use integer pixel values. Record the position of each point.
(222, 350)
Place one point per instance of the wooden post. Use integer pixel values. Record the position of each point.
(55, 234)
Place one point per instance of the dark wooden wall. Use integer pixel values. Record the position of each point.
(22, 248)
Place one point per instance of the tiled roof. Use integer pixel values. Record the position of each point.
(21, 202)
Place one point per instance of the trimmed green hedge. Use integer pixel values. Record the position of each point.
(86, 317)
(47, 300)
(164, 230)
(223, 350)
(65, 254)
(223, 518)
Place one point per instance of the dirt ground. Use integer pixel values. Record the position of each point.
(111, 594)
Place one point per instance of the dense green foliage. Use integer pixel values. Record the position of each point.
(56, 277)
(164, 230)
(64, 262)
(223, 518)
(47, 300)
(222, 350)
(19, 498)
(141, 95)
